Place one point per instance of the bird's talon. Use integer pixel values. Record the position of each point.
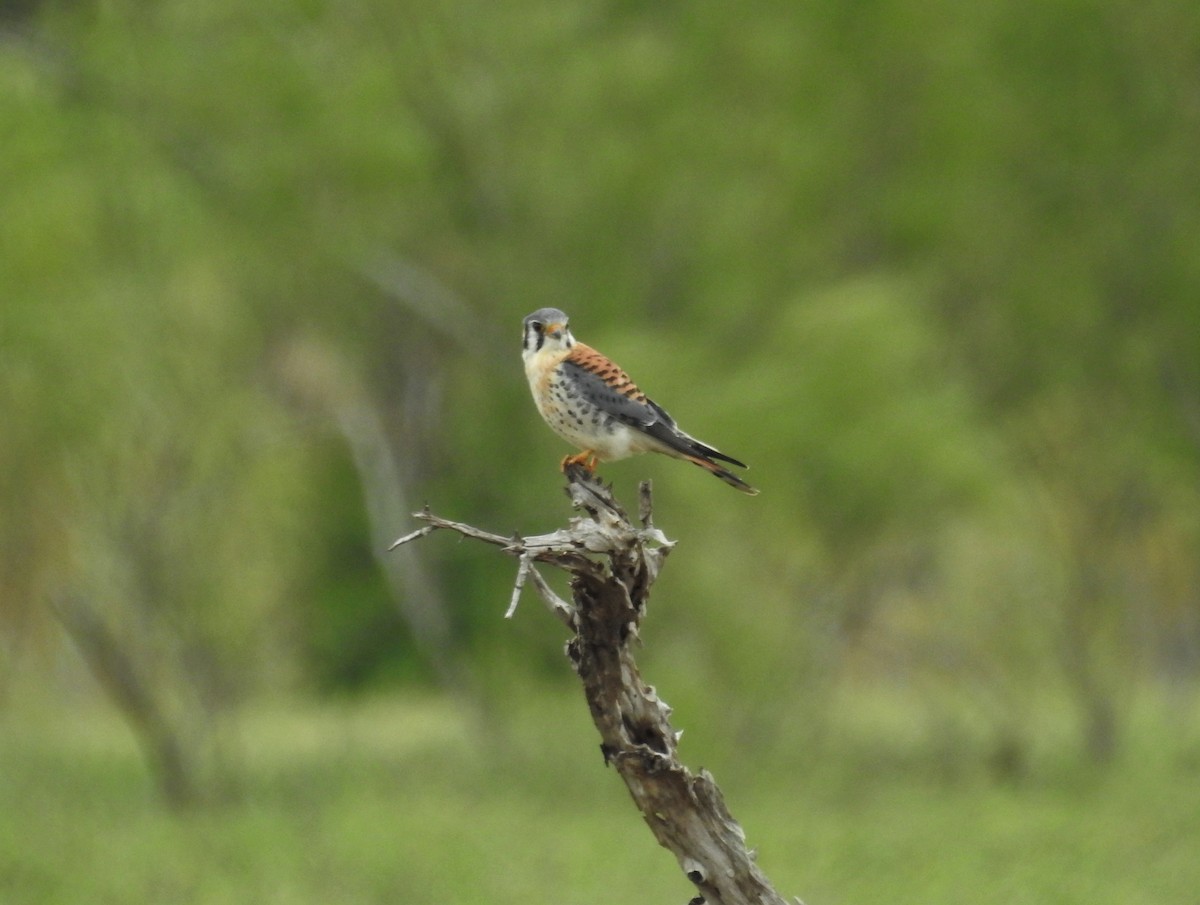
(586, 459)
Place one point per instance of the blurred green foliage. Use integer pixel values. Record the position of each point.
(929, 267)
(386, 801)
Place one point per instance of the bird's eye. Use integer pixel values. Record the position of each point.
(538, 326)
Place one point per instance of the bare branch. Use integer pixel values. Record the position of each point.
(559, 607)
(645, 504)
(522, 572)
(420, 532)
(612, 564)
(435, 522)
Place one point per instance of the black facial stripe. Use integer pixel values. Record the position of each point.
(540, 329)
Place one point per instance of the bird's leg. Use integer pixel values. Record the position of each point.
(587, 459)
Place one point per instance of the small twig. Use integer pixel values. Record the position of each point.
(436, 522)
(522, 572)
(420, 532)
(645, 504)
(559, 607)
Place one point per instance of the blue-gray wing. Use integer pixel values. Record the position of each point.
(609, 388)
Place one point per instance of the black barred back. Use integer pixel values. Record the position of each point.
(588, 359)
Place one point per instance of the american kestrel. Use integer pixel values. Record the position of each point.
(592, 404)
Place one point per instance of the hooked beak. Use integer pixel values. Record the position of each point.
(555, 330)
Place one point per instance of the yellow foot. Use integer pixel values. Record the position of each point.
(587, 459)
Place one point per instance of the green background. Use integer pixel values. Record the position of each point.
(931, 268)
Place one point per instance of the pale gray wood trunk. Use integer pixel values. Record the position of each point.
(613, 563)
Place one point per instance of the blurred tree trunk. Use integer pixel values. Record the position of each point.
(322, 378)
(115, 667)
(1087, 661)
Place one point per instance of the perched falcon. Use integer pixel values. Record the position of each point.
(592, 404)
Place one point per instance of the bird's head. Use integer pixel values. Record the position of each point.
(546, 329)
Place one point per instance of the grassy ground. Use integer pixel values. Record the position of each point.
(409, 801)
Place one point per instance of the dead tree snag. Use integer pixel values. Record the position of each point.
(613, 563)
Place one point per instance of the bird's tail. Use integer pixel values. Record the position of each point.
(727, 476)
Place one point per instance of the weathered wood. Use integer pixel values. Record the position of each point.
(612, 564)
